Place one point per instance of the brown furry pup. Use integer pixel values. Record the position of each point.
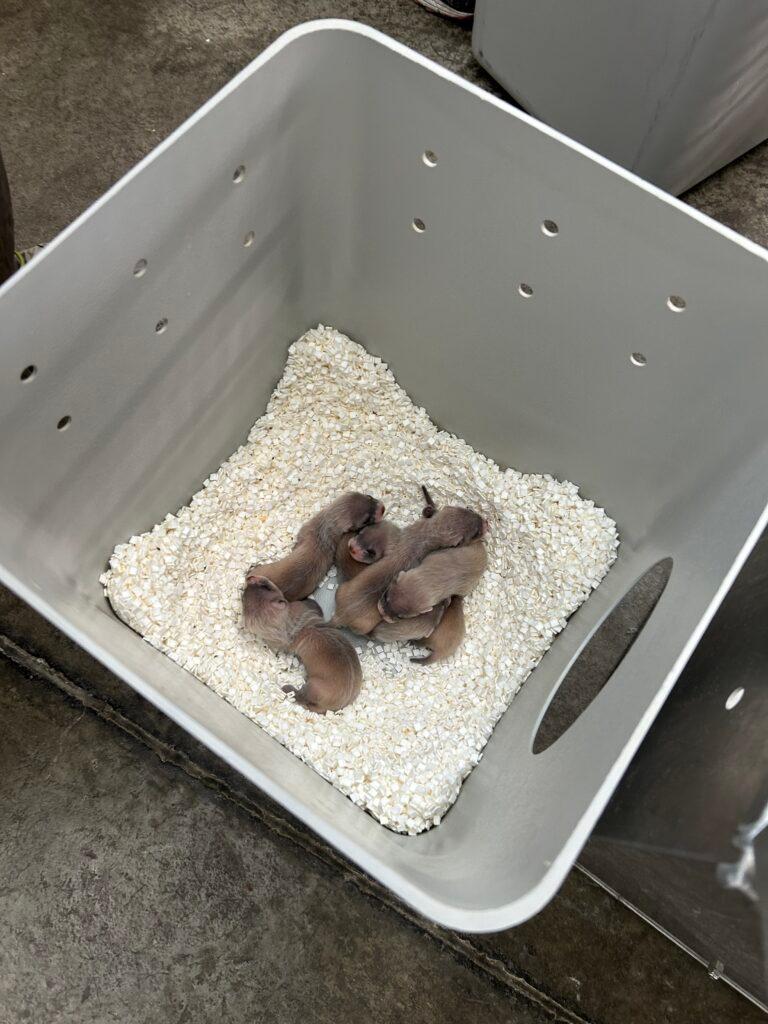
(447, 635)
(357, 600)
(300, 572)
(417, 628)
(441, 575)
(333, 669)
(357, 550)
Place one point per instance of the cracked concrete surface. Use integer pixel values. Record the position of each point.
(142, 879)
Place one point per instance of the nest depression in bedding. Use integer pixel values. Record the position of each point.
(339, 421)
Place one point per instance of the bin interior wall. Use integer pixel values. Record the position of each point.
(332, 149)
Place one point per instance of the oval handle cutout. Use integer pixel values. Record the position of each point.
(602, 655)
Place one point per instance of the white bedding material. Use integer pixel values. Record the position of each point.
(338, 421)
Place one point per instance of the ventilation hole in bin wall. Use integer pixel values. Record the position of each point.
(550, 228)
(525, 290)
(248, 240)
(734, 698)
(419, 225)
(140, 269)
(430, 158)
(28, 373)
(161, 325)
(676, 303)
(638, 359)
(64, 422)
(239, 174)
(604, 652)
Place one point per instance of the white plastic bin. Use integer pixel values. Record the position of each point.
(318, 148)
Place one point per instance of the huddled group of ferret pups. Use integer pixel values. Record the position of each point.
(399, 584)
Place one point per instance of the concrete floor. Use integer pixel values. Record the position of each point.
(132, 893)
(141, 879)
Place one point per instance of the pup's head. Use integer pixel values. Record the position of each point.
(457, 525)
(370, 544)
(385, 609)
(260, 594)
(401, 600)
(354, 511)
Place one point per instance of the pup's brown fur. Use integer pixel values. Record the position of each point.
(357, 600)
(417, 628)
(447, 635)
(441, 575)
(333, 669)
(300, 572)
(357, 550)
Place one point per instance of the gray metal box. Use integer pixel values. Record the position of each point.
(636, 367)
(673, 91)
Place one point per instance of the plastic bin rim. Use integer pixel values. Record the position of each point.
(357, 28)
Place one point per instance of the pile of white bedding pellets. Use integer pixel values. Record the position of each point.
(339, 421)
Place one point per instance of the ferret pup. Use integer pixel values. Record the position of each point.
(442, 575)
(300, 572)
(334, 676)
(358, 599)
(417, 628)
(444, 640)
(357, 550)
